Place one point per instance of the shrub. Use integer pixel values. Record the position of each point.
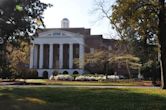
(28, 74)
(63, 78)
(33, 74)
(85, 78)
(89, 78)
(78, 77)
(55, 73)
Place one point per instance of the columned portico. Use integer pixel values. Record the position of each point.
(61, 41)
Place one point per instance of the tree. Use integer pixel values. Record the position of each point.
(19, 58)
(151, 70)
(140, 18)
(94, 62)
(138, 43)
(130, 61)
(19, 20)
(140, 21)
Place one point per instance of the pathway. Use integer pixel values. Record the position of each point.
(62, 86)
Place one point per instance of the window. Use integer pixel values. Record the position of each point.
(92, 50)
(109, 48)
(91, 61)
(119, 65)
(77, 51)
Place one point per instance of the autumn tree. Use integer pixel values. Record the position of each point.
(19, 59)
(142, 21)
(95, 62)
(130, 61)
(139, 21)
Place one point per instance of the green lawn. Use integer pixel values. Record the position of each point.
(88, 83)
(81, 99)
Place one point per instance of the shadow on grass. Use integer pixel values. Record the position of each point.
(81, 99)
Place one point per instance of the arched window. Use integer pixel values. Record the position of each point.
(75, 72)
(45, 75)
(65, 72)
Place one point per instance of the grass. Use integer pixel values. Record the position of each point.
(81, 99)
(93, 83)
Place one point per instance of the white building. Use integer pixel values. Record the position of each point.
(56, 50)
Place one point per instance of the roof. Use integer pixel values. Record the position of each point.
(83, 31)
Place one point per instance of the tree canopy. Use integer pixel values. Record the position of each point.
(136, 19)
(19, 19)
(143, 23)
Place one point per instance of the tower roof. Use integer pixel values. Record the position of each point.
(65, 23)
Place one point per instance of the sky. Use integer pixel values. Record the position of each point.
(79, 13)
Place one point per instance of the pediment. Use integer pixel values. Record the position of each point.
(59, 33)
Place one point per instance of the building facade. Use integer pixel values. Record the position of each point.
(56, 50)
(62, 50)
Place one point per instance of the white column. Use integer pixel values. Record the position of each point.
(81, 56)
(35, 56)
(41, 56)
(71, 56)
(60, 56)
(31, 57)
(51, 56)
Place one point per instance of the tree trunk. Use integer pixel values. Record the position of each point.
(128, 69)
(162, 43)
(4, 63)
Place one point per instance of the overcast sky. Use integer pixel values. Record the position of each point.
(79, 14)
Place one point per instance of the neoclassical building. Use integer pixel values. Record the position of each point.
(63, 49)
(58, 50)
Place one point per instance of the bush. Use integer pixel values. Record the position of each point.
(28, 74)
(55, 73)
(63, 78)
(85, 78)
(33, 74)
(6, 73)
(90, 78)
(78, 77)
(151, 71)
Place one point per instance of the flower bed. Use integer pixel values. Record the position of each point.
(63, 78)
(77, 78)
